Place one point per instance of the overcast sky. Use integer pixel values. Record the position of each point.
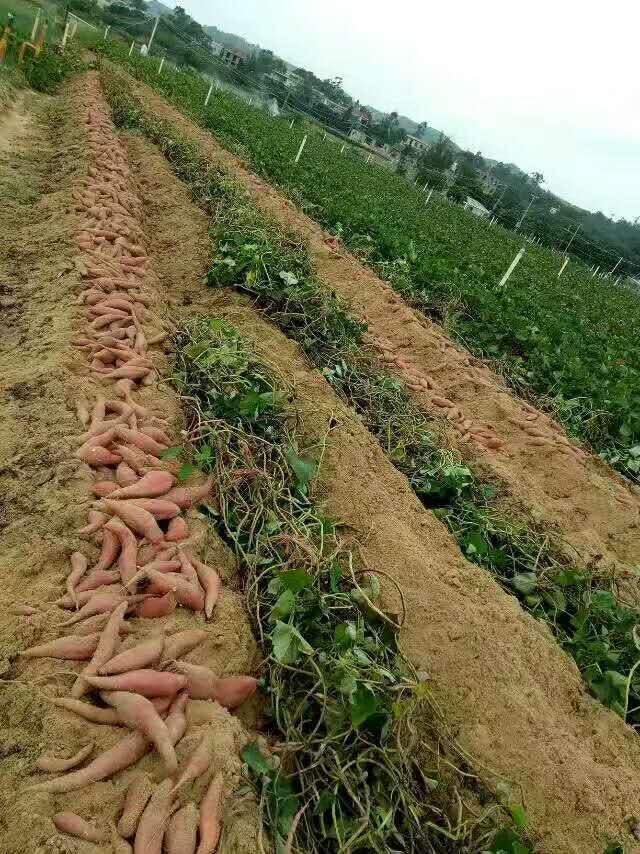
(553, 86)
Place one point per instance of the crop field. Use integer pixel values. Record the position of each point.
(283, 568)
(570, 342)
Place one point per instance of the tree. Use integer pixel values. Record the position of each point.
(420, 130)
(439, 157)
(537, 178)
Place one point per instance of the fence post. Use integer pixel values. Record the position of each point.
(566, 261)
(595, 271)
(342, 149)
(65, 36)
(131, 48)
(206, 100)
(426, 201)
(34, 29)
(106, 32)
(512, 266)
(161, 64)
(302, 144)
(291, 124)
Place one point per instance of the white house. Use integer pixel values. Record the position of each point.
(418, 145)
(476, 208)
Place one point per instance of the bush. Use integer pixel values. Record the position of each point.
(46, 71)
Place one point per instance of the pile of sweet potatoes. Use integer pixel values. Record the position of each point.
(146, 567)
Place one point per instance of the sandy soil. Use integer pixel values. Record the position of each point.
(516, 702)
(44, 497)
(588, 505)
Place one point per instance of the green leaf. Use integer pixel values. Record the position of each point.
(518, 815)
(326, 800)
(363, 704)
(506, 841)
(252, 755)
(303, 469)
(524, 582)
(288, 643)
(611, 689)
(284, 605)
(295, 579)
(185, 471)
(173, 453)
(345, 634)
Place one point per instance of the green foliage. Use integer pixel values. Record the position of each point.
(340, 691)
(570, 343)
(584, 615)
(46, 71)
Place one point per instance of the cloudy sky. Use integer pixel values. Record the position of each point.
(553, 86)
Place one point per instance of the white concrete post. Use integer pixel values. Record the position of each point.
(34, 29)
(302, 145)
(131, 48)
(65, 36)
(343, 146)
(595, 271)
(617, 264)
(206, 100)
(429, 194)
(106, 32)
(512, 266)
(566, 261)
(161, 64)
(368, 160)
(291, 124)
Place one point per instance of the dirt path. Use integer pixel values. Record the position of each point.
(568, 492)
(516, 702)
(45, 495)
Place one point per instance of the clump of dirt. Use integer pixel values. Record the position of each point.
(516, 702)
(559, 486)
(44, 498)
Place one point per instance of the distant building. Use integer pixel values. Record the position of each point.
(327, 102)
(476, 208)
(417, 145)
(228, 55)
(362, 115)
(289, 79)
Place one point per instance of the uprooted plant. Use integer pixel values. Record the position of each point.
(353, 772)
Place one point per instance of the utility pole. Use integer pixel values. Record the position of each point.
(499, 199)
(566, 248)
(521, 220)
(153, 32)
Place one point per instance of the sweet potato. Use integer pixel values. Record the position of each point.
(210, 581)
(118, 844)
(98, 456)
(143, 655)
(54, 764)
(158, 606)
(198, 762)
(109, 551)
(83, 596)
(21, 610)
(104, 650)
(85, 710)
(186, 594)
(211, 816)
(140, 440)
(127, 562)
(74, 825)
(176, 720)
(71, 648)
(122, 755)
(150, 485)
(233, 691)
(98, 578)
(138, 793)
(97, 604)
(125, 475)
(159, 508)
(147, 683)
(154, 820)
(138, 713)
(102, 488)
(96, 521)
(200, 681)
(136, 518)
(181, 833)
(79, 566)
(182, 643)
(177, 530)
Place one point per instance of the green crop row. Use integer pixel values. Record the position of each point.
(570, 343)
(251, 253)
